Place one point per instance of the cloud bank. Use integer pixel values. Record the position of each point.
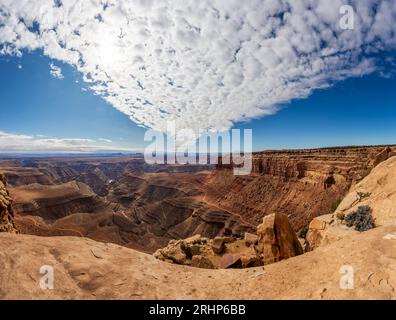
(204, 64)
(10, 142)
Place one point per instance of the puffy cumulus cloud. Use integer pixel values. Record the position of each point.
(56, 71)
(204, 64)
(10, 142)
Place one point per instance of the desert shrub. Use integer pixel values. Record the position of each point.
(361, 219)
(363, 195)
(340, 215)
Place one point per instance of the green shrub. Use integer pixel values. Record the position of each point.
(361, 219)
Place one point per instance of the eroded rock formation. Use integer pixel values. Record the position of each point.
(6, 214)
(218, 253)
(140, 206)
(276, 239)
(85, 273)
(303, 184)
(377, 191)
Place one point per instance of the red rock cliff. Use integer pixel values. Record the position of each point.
(300, 183)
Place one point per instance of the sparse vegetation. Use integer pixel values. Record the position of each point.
(361, 219)
(363, 195)
(340, 215)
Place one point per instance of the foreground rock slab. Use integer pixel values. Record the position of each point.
(85, 269)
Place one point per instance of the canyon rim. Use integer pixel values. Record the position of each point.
(197, 158)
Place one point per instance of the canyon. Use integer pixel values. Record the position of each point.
(100, 269)
(125, 201)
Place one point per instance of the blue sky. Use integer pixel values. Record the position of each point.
(220, 65)
(357, 111)
(33, 102)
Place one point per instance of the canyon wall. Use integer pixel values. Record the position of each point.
(6, 212)
(300, 183)
(125, 201)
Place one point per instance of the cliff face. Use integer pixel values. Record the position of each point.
(300, 183)
(129, 202)
(143, 207)
(376, 191)
(352, 162)
(84, 274)
(6, 214)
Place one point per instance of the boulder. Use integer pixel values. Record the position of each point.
(173, 252)
(218, 245)
(193, 250)
(231, 261)
(182, 251)
(203, 262)
(276, 239)
(250, 260)
(240, 260)
(250, 239)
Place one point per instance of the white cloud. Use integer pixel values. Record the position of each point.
(56, 71)
(10, 142)
(105, 140)
(207, 63)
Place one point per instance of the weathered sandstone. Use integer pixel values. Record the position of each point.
(276, 239)
(143, 207)
(303, 184)
(218, 253)
(377, 191)
(107, 271)
(6, 214)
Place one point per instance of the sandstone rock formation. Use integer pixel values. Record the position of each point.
(250, 239)
(128, 202)
(377, 191)
(6, 214)
(92, 270)
(85, 269)
(55, 201)
(302, 183)
(324, 230)
(218, 253)
(276, 239)
(143, 207)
